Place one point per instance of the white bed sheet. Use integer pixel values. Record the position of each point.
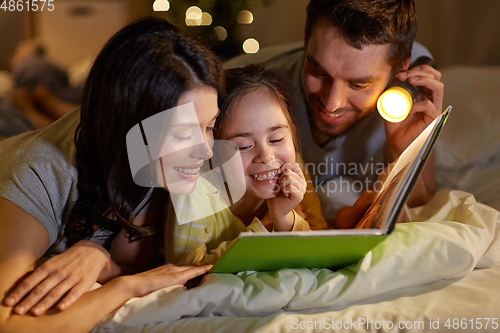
(469, 297)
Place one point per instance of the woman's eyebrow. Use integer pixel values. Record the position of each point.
(192, 124)
(184, 125)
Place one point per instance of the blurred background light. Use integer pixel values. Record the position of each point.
(221, 33)
(251, 45)
(194, 16)
(244, 17)
(161, 5)
(206, 19)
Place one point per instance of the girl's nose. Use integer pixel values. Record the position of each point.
(264, 155)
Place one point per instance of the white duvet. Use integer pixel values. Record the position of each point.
(458, 235)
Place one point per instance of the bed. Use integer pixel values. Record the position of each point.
(433, 276)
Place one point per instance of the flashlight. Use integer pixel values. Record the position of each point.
(396, 101)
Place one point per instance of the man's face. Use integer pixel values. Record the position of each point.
(341, 83)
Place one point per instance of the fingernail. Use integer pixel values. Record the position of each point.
(9, 301)
(36, 311)
(20, 310)
(63, 306)
(415, 78)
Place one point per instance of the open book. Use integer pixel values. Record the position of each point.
(337, 248)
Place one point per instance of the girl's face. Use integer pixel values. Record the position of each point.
(256, 123)
(189, 140)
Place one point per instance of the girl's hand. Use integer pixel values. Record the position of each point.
(293, 187)
(69, 274)
(144, 283)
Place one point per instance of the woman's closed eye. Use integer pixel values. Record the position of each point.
(182, 135)
(182, 138)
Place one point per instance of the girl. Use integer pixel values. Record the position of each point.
(72, 182)
(255, 116)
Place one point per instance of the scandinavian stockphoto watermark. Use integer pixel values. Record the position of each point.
(169, 150)
(329, 178)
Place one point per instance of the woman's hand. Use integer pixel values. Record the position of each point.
(292, 189)
(69, 274)
(144, 283)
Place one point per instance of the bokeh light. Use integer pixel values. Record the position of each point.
(251, 45)
(244, 17)
(221, 32)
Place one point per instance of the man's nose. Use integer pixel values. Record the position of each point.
(335, 96)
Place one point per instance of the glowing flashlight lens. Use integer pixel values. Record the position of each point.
(394, 104)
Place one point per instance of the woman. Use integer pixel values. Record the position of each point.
(56, 192)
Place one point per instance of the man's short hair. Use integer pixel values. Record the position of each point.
(367, 22)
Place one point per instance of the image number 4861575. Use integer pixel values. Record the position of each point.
(27, 5)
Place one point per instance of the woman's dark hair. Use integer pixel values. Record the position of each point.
(240, 81)
(142, 70)
(366, 22)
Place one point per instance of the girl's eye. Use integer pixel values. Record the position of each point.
(210, 129)
(244, 148)
(277, 140)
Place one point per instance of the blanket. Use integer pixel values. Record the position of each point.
(458, 234)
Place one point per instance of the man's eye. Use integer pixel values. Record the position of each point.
(318, 73)
(358, 86)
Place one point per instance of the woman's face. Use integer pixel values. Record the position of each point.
(256, 123)
(189, 140)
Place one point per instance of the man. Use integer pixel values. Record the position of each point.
(352, 49)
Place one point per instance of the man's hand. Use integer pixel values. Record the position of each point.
(427, 107)
(69, 274)
(399, 136)
(348, 217)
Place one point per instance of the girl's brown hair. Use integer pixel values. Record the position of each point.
(240, 81)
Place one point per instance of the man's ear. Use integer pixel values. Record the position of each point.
(405, 66)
